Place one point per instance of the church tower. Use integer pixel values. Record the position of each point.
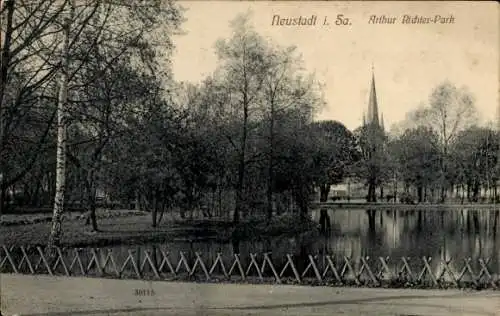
(373, 126)
(373, 118)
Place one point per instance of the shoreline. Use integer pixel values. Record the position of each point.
(448, 207)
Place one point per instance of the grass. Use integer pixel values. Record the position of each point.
(33, 218)
(115, 227)
(133, 228)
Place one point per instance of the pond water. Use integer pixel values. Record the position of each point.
(443, 235)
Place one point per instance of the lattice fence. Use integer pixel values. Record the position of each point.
(157, 263)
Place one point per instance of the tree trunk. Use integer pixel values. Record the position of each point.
(396, 191)
(443, 194)
(443, 169)
(348, 190)
(475, 191)
(93, 217)
(219, 200)
(91, 201)
(301, 198)
(239, 190)
(241, 163)
(495, 222)
(154, 211)
(270, 166)
(270, 193)
(419, 221)
(324, 190)
(324, 218)
(462, 197)
(372, 196)
(35, 202)
(212, 201)
(7, 19)
(56, 229)
(2, 198)
(420, 193)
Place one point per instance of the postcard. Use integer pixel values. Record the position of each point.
(249, 157)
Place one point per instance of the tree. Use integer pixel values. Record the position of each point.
(102, 33)
(116, 69)
(474, 156)
(123, 72)
(243, 66)
(417, 154)
(55, 232)
(30, 38)
(295, 171)
(284, 90)
(450, 111)
(334, 155)
(214, 129)
(372, 167)
(232, 133)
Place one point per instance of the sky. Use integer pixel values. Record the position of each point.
(409, 60)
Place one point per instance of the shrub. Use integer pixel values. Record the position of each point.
(406, 198)
(283, 225)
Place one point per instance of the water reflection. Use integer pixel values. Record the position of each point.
(438, 233)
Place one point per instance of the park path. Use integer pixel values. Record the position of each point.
(45, 295)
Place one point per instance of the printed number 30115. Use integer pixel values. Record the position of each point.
(144, 292)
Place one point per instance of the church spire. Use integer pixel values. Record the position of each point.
(372, 103)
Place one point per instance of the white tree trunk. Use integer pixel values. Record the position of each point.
(55, 232)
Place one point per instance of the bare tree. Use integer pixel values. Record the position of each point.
(284, 90)
(243, 67)
(55, 232)
(450, 111)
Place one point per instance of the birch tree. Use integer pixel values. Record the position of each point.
(122, 46)
(55, 232)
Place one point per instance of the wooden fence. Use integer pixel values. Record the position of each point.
(156, 263)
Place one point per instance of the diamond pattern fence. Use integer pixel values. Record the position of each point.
(157, 263)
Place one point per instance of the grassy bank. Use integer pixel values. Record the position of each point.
(134, 228)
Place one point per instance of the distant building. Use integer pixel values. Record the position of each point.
(374, 144)
(373, 122)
